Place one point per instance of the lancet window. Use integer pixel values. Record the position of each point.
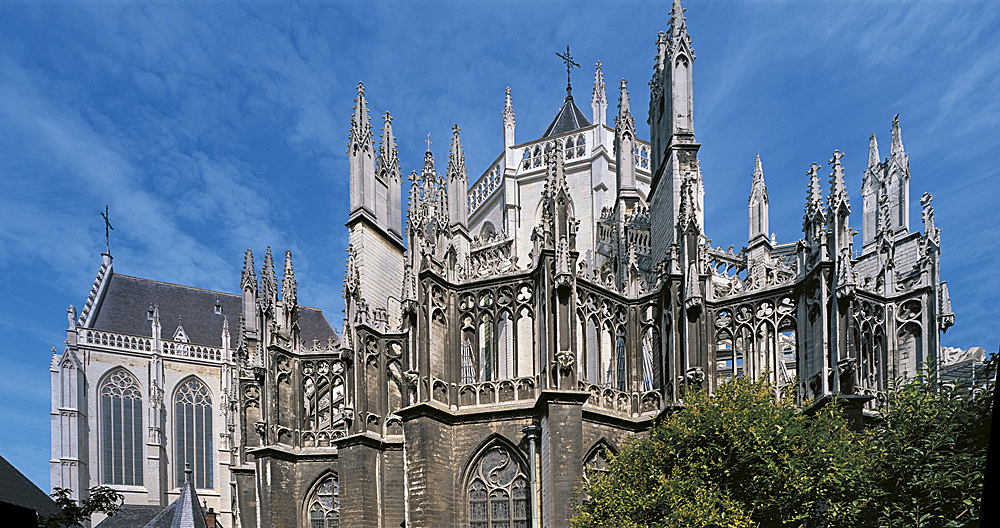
(869, 338)
(324, 504)
(322, 394)
(605, 347)
(498, 492)
(497, 336)
(756, 337)
(193, 432)
(121, 430)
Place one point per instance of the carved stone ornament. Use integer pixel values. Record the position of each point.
(566, 360)
(695, 376)
(412, 377)
(260, 428)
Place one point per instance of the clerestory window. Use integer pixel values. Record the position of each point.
(121, 430)
(193, 432)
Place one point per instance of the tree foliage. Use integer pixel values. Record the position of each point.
(932, 451)
(101, 499)
(740, 458)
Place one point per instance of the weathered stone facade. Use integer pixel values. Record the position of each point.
(517, 327)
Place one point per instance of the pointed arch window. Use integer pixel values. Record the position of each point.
(324, 504)
(498, 493)
(620, 370)
(121, 430)
(193, 432)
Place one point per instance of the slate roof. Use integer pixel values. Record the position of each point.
(16, 489)
(127, 300)
(131, 516)
(569, 118)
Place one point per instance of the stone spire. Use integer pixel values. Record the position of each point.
(598, 99)
(268, 283)
(360, 151)
(837, 202)
(871, 186)
(387, 166)
(813, 220)
(873, 157)
(288, 283)
(758, 204)
(897, 140)
(678, 24)
(458, 182)
(625, 143)
(508, 122)
(248, 281)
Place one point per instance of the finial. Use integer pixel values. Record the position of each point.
(758, 171)
(428, 142)
(187, 472)
(568, 59)
(507, 104)
(107, 231)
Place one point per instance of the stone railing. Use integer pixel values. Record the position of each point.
(497, 392)
(119, 341)
(145, 344)
(633, 404)
(192, 351)
(484, 187)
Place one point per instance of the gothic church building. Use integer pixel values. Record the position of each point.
(498, 336)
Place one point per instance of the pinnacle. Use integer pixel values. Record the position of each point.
(873, 157)
(897, 139)
(758, 171)
(623, 107)
(598, 96)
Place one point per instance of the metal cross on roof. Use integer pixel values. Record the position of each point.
(107, 231)
(568, 59)
(428, 142)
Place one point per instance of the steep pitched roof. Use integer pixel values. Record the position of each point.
(127, 299)
(569, 118)
(131, 516)
(185, 512)
(16, 489)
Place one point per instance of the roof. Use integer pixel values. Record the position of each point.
(131, 516)
(185, 512)
(16, 489)
(127, 300)
(569, 118)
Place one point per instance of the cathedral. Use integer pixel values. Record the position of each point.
(499, 336)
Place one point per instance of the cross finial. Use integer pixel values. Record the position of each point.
(428, 142)
(568, 59)
(107, 231)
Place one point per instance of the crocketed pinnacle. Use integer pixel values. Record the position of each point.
(838, 190)
(897, 140)
(873, 157)
(456, 157)
(598, 97)
(361, 125)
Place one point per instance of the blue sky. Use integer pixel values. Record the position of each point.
(209, 128)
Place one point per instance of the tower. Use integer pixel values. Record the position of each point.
(759, 240)
(674, 156)
(375, 217)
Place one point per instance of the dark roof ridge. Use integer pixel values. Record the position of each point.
(177, 285)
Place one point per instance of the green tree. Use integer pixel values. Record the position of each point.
(737, 458)
(932, 459)
(101, 499)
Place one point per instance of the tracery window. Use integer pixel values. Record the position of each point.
(324, 505)
(121, 430)
(581, 145)
(193, 432)
(620, 370)
(498, 492)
